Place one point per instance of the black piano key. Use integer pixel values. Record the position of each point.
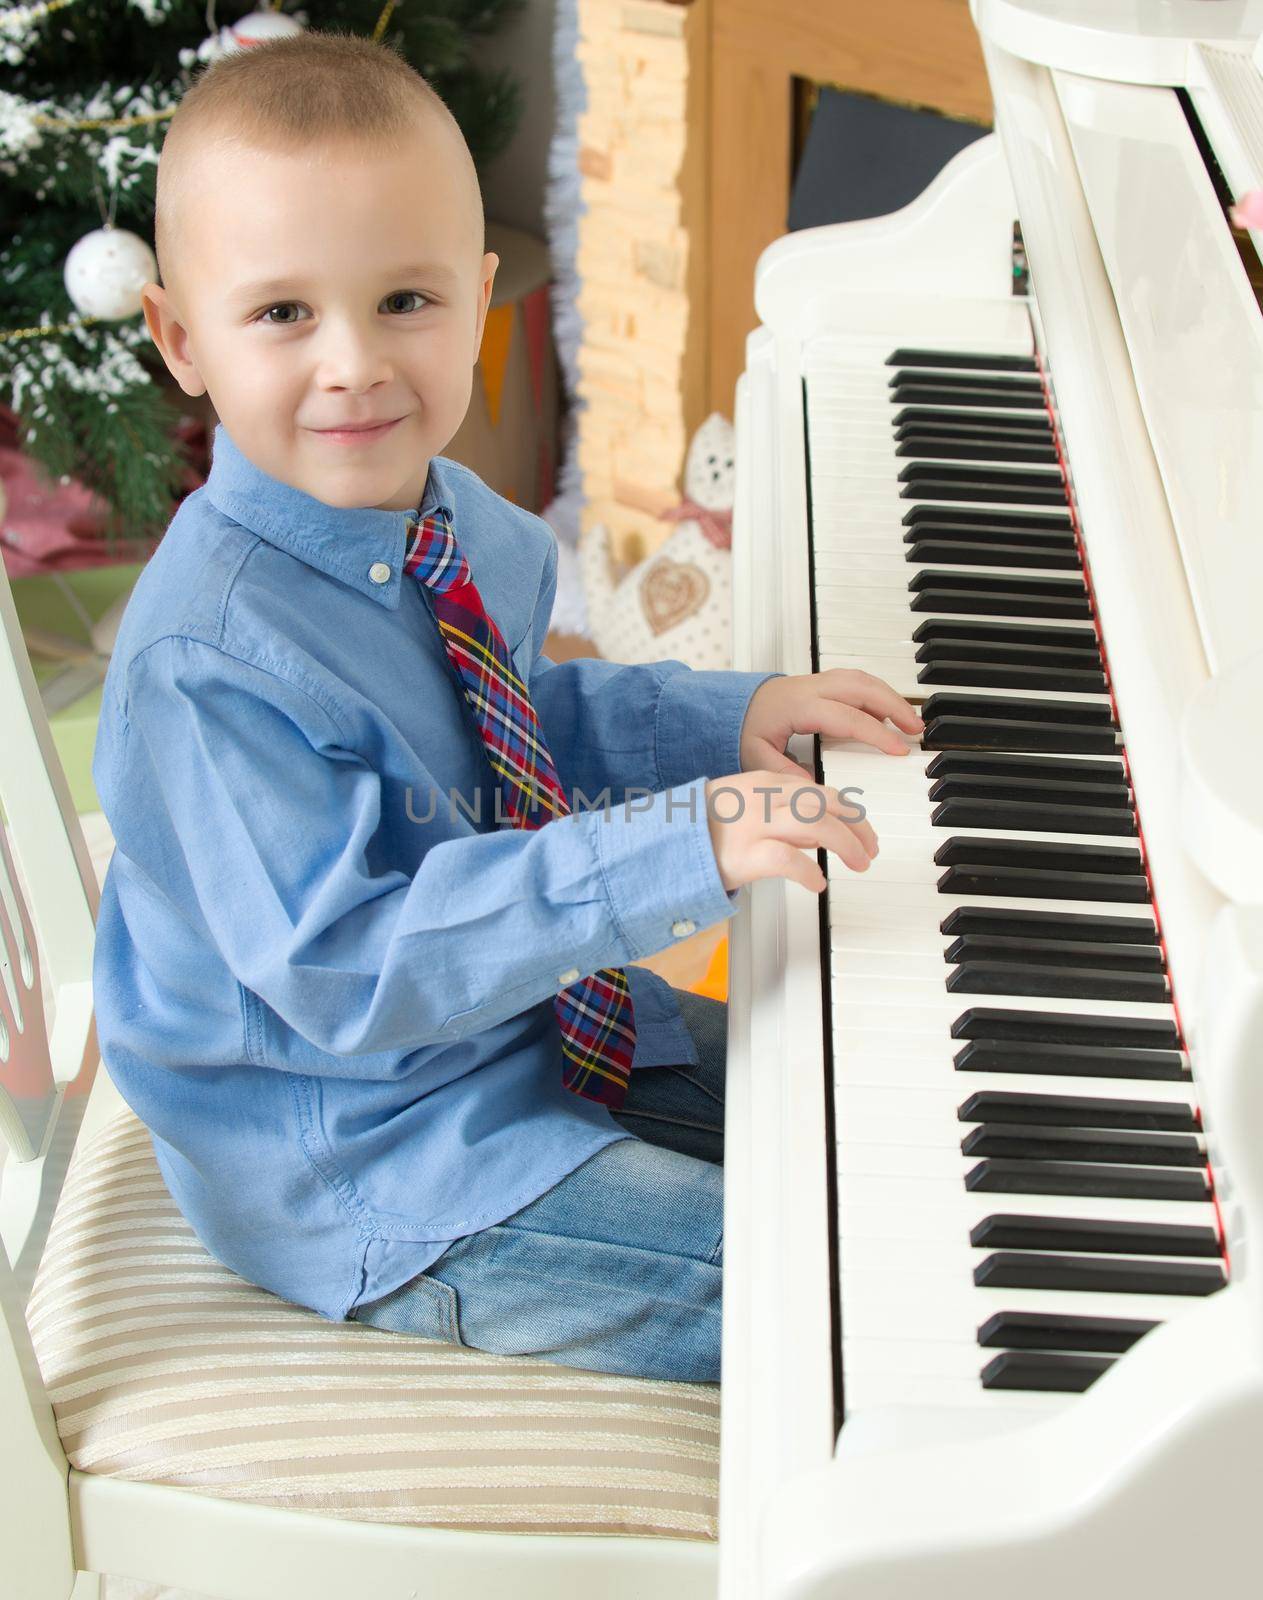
(995, 546)
(1044, 1371)
(998, 477)
(963, 537)
(986, 733)
(957, 381)
(1056, 952)
(1047, 791)
(991, 555)
(1047, 855)
(1068, 983)
(1029, 816)
(1078, 1111)
(1017, 1232)
(961, 358)
(1073, 1061)
(1018, 479)
(1027, 421)
(1012, 653)
(980, 583)
(1065, 1027)
(1127, 1146)
(940, 447)
(1030, 521)
(956, 423)
(1053, 1330)
(908, 392)
(1000, 603)
(1103, 1274)
(1036, 884)
(1088, 1180)
(966, 427)
(956, 763)
(1017, 708)
(981, 491)
(935, 629)
(1053, 924)
(983, 675)
(1018, 428)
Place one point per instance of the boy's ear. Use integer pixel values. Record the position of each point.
(172, 338)
(489, 264)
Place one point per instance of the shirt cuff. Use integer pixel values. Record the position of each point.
(660, 839)
(698, 723)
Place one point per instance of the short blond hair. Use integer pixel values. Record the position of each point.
(290, 94)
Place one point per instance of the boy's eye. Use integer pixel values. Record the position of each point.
(292, 305)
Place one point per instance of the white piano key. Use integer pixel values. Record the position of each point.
(922, 949)
(839, 568)
(911, 1372)
(896, 899)
(911, 1010)
(921, 1258)
(836, 564)
(875, 1310)
(865, 1392)
(892, 867)
(934, 1210)
(888, 1110)
(916, 1137)
(927, 1053)
(945, 1303)
(913, 1150)
(880, 767)
(857, 616)
(905, 1074)
(906, 837)
(872, 1206)
(893, 663)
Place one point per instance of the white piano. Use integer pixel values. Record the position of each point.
(994, 1147)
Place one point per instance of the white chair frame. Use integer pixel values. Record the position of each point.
(59, 1527)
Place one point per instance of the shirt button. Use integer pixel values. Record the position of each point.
(683, 928)
(379, 572)
(569, 976)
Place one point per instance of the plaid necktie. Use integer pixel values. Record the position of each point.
(598, 1030)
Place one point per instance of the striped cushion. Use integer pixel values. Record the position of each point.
(164, 1366)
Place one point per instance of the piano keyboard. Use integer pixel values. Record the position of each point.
(1022, 1183)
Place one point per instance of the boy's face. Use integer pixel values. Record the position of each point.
(340, 332)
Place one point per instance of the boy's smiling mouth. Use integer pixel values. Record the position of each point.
(357, 433)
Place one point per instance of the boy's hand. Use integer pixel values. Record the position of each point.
(840, 704)
(768, 825)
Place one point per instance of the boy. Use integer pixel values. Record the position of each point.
(327, 970)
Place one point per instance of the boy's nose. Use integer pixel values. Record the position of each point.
(352, 359)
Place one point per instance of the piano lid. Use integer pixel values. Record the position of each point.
(1194, 332)
(1128, 41)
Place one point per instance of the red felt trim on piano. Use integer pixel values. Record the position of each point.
(1109, 687)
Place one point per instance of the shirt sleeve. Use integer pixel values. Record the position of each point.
(644, 728)
(262, 826)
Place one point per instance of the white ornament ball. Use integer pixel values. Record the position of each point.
(259, 27)
(106, 271)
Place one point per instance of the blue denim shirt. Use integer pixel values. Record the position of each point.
(325, 967)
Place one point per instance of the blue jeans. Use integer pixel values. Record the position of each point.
(617, 1268)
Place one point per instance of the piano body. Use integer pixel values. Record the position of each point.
(994, 1139)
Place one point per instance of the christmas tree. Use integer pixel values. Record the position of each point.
(89, 89)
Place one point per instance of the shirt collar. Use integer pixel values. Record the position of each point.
(346, 543)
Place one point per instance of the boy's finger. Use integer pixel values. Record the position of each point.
(850, 722)
(862, 689)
